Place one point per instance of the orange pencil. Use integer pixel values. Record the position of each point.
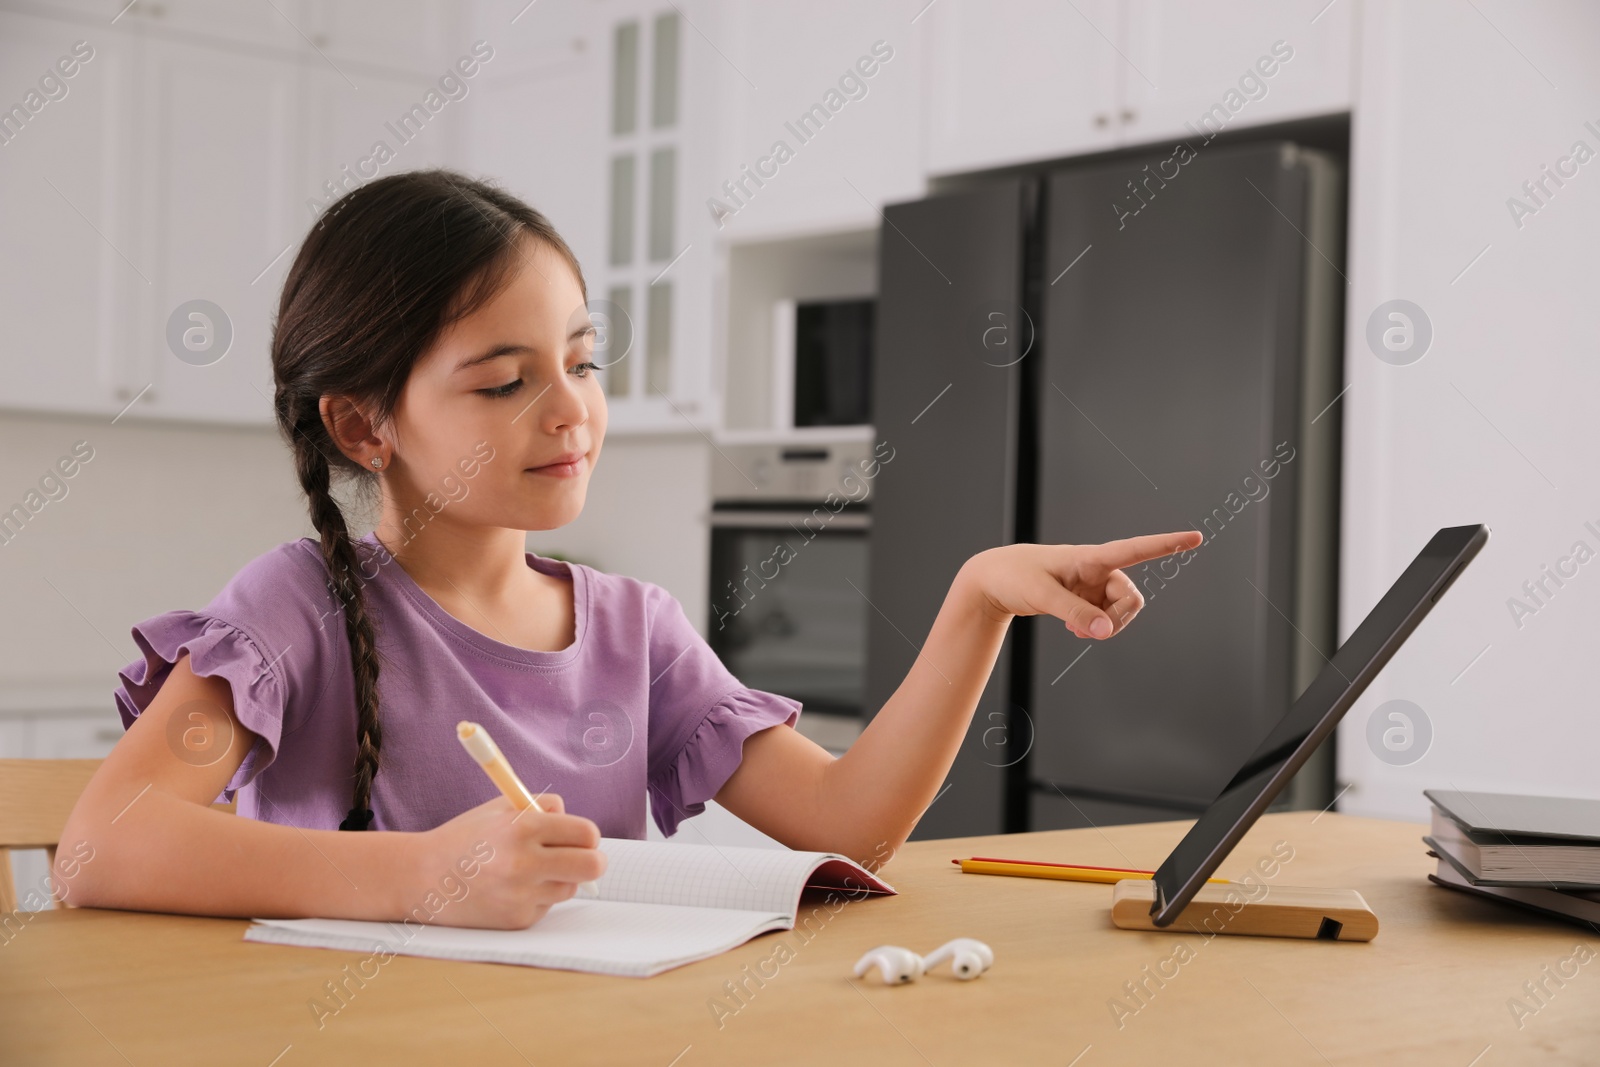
(1071, 872)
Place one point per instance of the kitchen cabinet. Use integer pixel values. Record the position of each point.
(62, 274)
(655, 255)
(214, 170)
(840, 86)
(1020, 81)
(263, 25)
(1226, 63)
(553, 53)
(77, 736)
(339, 130)
(403, 36)
(1037, 80)
(399, 36)
(15, 739)
(194, 150)
(184, 163)
(621, 169)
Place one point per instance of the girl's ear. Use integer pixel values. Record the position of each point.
(349, 427)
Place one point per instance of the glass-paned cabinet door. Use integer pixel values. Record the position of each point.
(642, 216)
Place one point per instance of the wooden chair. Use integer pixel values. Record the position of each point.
(36, 796)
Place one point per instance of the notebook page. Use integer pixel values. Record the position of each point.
(706, 876)
(600, 937)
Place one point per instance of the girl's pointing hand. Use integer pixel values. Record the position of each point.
(1083, 585)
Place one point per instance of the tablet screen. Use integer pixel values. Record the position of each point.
(1312, 717)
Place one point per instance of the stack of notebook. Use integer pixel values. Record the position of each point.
(1541, 853)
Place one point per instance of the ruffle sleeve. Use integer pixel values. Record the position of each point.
(215, 648)
(713, 752)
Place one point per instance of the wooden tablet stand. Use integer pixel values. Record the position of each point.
(1223, 908)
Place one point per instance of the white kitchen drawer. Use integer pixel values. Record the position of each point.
(75, 736)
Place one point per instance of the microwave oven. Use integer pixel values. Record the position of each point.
(824, 367)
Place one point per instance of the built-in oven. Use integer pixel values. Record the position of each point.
(789, 559)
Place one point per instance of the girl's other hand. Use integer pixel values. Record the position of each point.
(496, 867)
(1083, 585)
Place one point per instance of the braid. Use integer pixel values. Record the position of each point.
(338, 552)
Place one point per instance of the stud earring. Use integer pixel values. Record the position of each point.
(376, 462)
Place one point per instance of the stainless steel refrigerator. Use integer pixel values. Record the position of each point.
(1137, 345)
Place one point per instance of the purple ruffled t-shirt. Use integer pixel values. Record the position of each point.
(637, 703)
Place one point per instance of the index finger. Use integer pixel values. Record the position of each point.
(1131, 550)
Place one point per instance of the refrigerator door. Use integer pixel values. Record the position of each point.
(1170, 398)
(946, 392)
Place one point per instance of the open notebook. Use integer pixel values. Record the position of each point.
(658, 905)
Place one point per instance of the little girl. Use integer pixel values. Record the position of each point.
(432, 346)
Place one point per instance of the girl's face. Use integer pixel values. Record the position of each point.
(492, 412)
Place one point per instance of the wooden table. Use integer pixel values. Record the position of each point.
(87, 987)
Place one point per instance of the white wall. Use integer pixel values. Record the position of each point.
(1458, 106)
(645, 517)
(162, 517)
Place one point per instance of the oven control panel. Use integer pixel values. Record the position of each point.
(797, 471)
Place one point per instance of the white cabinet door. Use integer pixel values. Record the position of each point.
(16, 739)
(279, 24)
(821, 117)
(402, 35)
(67, 254)
(646, 256)
(536, 122)
(1196, 67)
(184, 163)
(1018, 81)
(354, 134)
(216, 163)
(77, 736)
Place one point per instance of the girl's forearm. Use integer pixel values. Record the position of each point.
(881, 785)
(166, 853)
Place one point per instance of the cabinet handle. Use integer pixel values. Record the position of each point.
(1101, 120)
(1128, 114)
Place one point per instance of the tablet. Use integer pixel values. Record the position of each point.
(1312, 718)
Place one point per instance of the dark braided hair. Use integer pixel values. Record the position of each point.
(383, 271)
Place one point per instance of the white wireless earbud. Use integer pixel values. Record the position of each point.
(898, 965)
(968, 957)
